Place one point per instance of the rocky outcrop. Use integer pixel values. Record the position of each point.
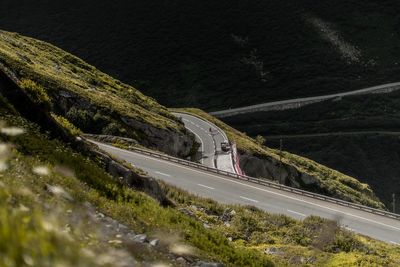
(275, 170)
(125, 175)
(29, 109)
(94, 119)
(165, 140)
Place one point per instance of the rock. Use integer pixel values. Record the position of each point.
(308, 179)
(206, 225)
(181, 260)
(142, 238)
(172, 143)
(311, 259)
(274, 170)
(154, 242)
(187, 212)
(227, 215)
(64, 94)
(273, 251)
(208, 264)
(122, 227)
(100, 215)
(297, 260)
(175, 142)
(131, 236)
(141, 182)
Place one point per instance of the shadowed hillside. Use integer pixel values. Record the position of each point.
(221, 54)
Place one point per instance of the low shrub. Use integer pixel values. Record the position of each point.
(36, 92)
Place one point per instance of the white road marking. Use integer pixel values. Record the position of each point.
(218, 130)
(258, 188)
(163, 174)
(202, 185)
(394, 243)
(249, 199)
(298, 213)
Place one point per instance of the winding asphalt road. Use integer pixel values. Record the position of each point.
(210, 138)
(298, 102)
(228, 190)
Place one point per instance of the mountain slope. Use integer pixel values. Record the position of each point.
(67, 87)
(64, 202)
(83, 216)
(59, 206)
(92, 100)
(223, 54)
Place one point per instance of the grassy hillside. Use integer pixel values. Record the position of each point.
(57, 70)
(58, 183)
(331, 182)
(210, 55)
(90, 99)
(53, 198)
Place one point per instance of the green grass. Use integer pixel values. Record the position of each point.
(251, 230)
(45, 71)
(67, 125)
(317, 241)
(30, 239)
(90, 183)
(332, 182)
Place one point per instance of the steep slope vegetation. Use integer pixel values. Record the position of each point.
(61, 196)
(68, 88)
(90, 99)
(60, 207)
(211, 54)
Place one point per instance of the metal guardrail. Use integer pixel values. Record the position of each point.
(267, 183)
(385, 88)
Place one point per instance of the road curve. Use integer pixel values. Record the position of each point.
(210, 137)
(227, 190)
(299, 102)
